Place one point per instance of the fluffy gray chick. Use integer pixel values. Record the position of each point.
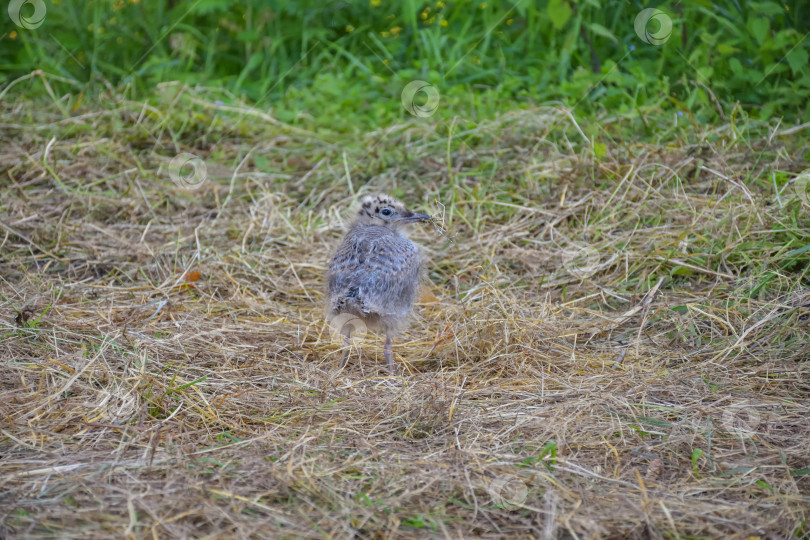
(374, 275)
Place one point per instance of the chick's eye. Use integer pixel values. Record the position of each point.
(386, 211)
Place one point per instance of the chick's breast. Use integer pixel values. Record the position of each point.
(375, 271)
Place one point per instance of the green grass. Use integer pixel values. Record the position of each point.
(342, 66)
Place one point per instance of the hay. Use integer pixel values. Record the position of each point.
(603, 360)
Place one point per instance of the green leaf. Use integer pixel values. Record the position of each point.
(204, 7)
(758, 26)
(571, 39)
(248, 36)
(560, 12)
(655, 422)
(192, 383)
(550, 451)
(600, 149)
(735, 65)
(798, 251)
(710, 384)
(697, 453)
(726, 48)
(800, 472)
(417, 522)
(764, 484)
(767, 278)
(681, 271)
(767, 8)
(797, 60)
(255, 60)
(600, 30)
(262, 163)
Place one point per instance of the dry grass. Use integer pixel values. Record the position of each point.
(654, 387)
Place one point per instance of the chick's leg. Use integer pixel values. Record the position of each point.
(347, 341)
(389, 354)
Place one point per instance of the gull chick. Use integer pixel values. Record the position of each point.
(374, 275)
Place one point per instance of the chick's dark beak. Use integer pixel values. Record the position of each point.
(415, 217)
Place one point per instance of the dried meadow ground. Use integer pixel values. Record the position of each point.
(609, 346)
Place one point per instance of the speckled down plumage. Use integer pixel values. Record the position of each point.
(374, 274)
